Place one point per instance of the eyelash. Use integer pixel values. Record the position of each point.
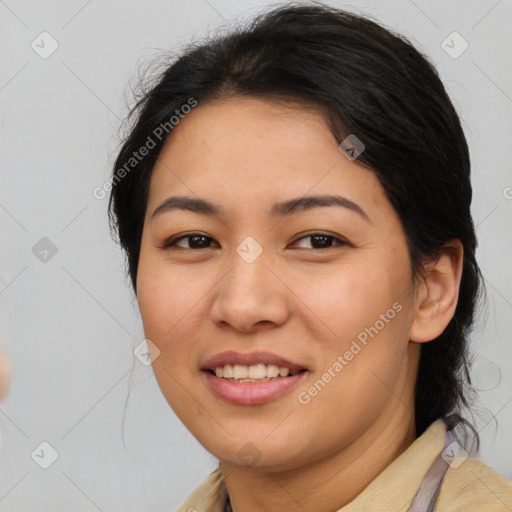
(171, 243)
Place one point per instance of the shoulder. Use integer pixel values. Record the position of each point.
(473, 486)
(210, 496)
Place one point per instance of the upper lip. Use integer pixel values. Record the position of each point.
(250, 359)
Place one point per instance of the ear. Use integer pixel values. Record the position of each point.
(437, 293)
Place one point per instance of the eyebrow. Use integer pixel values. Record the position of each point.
(281, 209)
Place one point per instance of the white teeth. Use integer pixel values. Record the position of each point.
(240, 372)
(254, 373)
(272, 370)
(257, 371)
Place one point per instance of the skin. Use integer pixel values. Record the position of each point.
(303, 303)
(4, 375)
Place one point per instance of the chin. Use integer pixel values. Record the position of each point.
(256, 453)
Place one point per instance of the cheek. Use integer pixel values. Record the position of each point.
(362, 364)
(352, 297)
(167, 296)
(366, 312)
(166, 303)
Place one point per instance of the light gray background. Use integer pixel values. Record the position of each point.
(70, 324)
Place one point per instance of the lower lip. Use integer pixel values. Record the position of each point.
(252, 393)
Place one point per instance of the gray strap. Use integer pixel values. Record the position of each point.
(430, 486)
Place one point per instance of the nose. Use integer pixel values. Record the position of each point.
(251, 296)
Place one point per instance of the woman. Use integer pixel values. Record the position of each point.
(294, 203)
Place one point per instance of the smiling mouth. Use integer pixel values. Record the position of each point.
(254, 373)
(233, 387)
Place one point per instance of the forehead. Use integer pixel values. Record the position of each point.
(233, 129)
(248, 150)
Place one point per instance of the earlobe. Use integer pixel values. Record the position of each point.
(437, 294)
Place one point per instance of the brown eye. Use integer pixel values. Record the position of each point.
(193, 241)
(322, 241)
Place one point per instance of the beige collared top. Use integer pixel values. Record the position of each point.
(469, 487)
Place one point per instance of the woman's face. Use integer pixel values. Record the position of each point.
(270, 279)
